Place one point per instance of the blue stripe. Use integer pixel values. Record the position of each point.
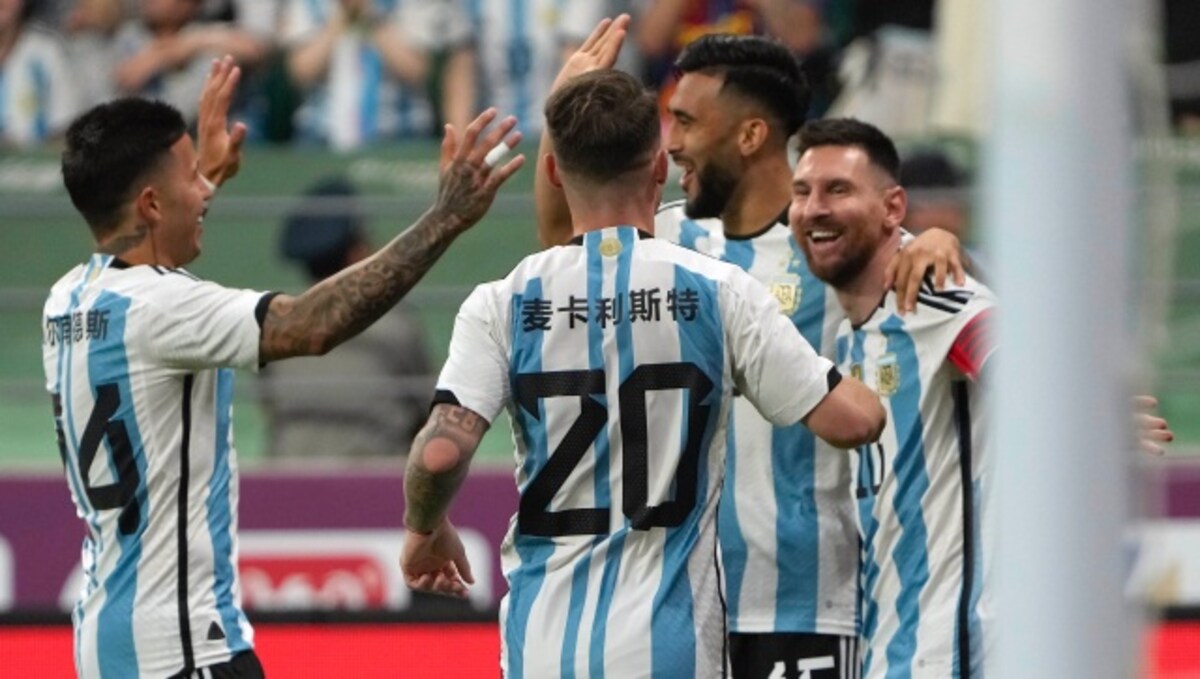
(689, 233)
(525, 581)
(579, 586)
(41, 86)
(219, 508)
(869, 526)
(739, 253)
(519, 81)
(793, 454)
(70, 441)
(95, 539)
(673, 627)
(372, 74)
(625, 356)
(797, 532)
(108, 364)
(910, 555)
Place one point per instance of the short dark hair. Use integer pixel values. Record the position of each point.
(603, 124)
(109, 148)
(757, 68)
(880, 148)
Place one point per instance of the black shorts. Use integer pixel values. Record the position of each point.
(793, 656)
(244, 665)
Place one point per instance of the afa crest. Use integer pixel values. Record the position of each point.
(887, 375)
(856, 371)
(788, 293)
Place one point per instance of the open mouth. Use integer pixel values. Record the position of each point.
(824, 235)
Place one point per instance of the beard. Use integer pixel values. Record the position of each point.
(841, 271)
(714, 187)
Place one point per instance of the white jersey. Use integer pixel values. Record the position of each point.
(358, 100)
(521, 45)
(134, 362)
(788, 542)
(617, 358)
(37, 95)
(921, 488)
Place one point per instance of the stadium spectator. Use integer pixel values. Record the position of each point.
(368, 396)
(788, 539)
(922, 488)
(889, 70)
(586, 344)
(1180, 22)
(937, 193)
(522, 44)
(137, 355)
(37, 94)
(664, 27)
(363, 67)
(156, 55)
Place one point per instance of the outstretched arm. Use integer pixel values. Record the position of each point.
(599, 51)
(433, 558)
(343, 305)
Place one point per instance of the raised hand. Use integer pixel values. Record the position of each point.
(467, 184)
(598, 52)
(436, 562)
(220, 146)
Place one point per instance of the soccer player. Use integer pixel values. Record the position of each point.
(920, 489)
(616, 356)
(137, 353)
(788, 540)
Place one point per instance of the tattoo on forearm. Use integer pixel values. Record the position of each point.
(428, 493)
(342, 306)
(122, 244)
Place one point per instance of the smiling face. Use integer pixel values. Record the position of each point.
(843, 208)
(702, 141)
(182, 203)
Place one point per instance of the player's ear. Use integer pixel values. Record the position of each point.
(148, 205)
(551, 166)
(752, 134)
(661, 167)
(895, 205)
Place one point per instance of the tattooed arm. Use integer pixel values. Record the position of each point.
(433, 559)
(340, 307)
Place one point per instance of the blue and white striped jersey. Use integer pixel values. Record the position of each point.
(37, 95)
(787, 535)
(359, 100)
(521, 44)
(617, 359)
(136, 362)
(921, 489)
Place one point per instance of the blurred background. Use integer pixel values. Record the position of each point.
(344, 99)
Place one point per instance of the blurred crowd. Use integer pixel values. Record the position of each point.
(346, 73)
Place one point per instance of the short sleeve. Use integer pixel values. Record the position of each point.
(773, 365)
(476, 372)
(199, 324)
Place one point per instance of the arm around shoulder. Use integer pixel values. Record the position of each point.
(849, 416)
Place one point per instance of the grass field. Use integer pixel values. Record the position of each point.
(41, 237)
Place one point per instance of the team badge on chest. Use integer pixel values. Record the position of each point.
(887, 374)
